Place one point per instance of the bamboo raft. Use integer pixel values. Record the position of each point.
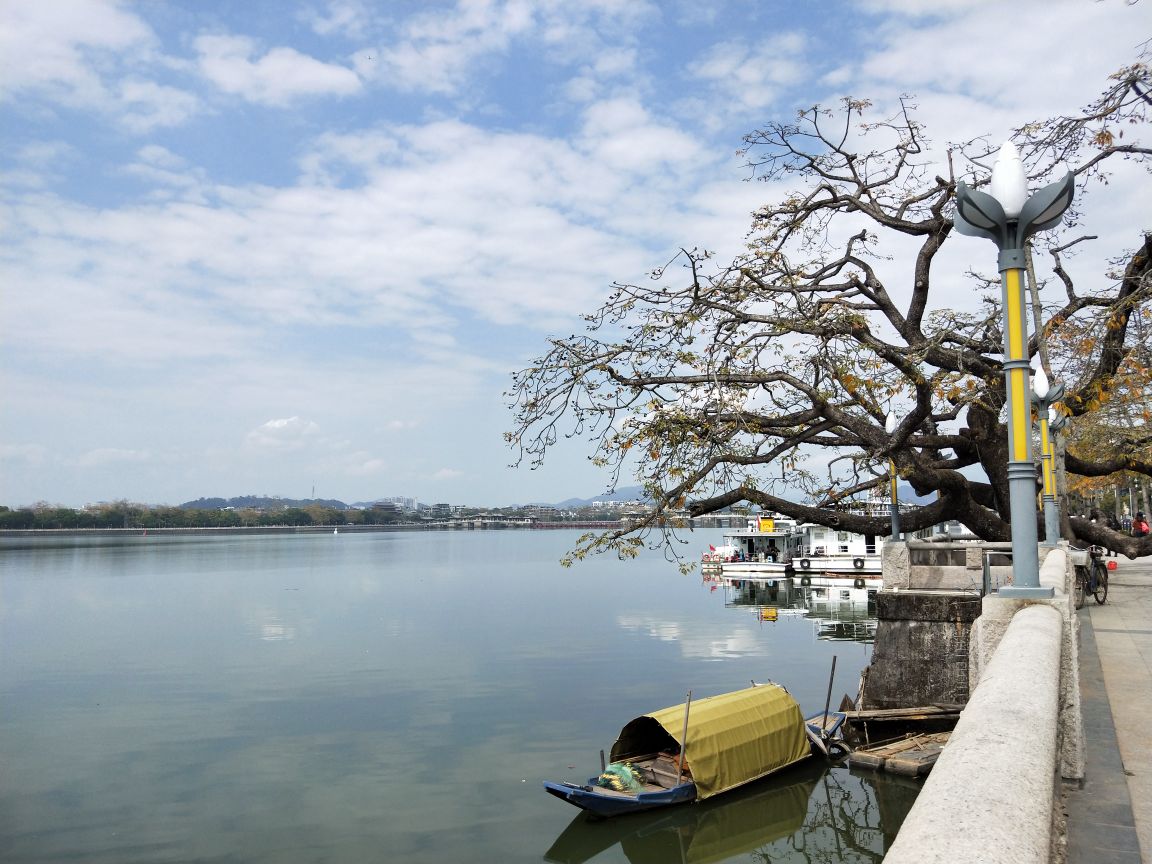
(912, 755)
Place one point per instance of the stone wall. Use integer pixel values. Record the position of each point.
(921, 653)
(991, 796)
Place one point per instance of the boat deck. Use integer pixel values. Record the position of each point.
(658, 774)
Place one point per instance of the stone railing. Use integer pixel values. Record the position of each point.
(993, 794)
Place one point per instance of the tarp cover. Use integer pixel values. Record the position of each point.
(733, 738)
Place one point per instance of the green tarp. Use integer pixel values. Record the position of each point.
(733, 738)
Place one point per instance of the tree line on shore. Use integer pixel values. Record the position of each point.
(126, 515)
(123, 514)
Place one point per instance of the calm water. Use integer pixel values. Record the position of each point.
(385, 697)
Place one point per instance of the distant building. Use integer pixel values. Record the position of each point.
(403, 503)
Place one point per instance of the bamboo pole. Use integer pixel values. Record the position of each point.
(828, 701)
(683, 738)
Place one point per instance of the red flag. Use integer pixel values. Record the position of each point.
(711, 548)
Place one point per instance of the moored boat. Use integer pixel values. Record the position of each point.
(772, 547)
(765, 546)
(696, 750)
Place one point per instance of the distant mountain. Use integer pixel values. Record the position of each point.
(260, 502)
(636, 493)
(625, 493)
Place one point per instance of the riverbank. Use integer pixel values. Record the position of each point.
(254, 530)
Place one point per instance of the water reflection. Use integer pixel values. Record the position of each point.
(813, 814)
(840, 613)
(393, 697)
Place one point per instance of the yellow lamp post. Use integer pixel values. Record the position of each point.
(1008, 217)
(890, 424)
(1045, 397)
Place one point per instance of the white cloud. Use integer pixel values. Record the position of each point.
(750, 76)
(282, 435)
(441, 51)
(622, 134)
(976, 49)
(165, 171)
(368, 468)
(438, 49)
(279, 77)
(447, 474)
(349, 18)
(422, 249)
(54, 45)
(148, 105)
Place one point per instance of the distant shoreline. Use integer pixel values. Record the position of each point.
(302, 529)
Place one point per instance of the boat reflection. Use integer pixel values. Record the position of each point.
(814, 813)
(839, 613)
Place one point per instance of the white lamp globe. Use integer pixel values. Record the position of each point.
(1009, 185)
(1040, 385)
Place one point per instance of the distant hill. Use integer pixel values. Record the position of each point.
(260, 502)
(907, 496)
(625, 493)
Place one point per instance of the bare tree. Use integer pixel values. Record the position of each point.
(768, 380)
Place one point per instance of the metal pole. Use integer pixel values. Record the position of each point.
(893, 496)
(1051, 517)
(1021, 472)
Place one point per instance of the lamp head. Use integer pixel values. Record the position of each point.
(1040, 384)
(1009, 186)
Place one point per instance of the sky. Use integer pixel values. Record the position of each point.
(295, 248)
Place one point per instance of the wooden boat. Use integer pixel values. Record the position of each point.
(722, 829)
(696, 750)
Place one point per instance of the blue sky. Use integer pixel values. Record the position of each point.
(266, 247)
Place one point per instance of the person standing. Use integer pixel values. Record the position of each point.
(1140, 525)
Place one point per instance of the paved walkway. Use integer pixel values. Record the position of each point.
(1110, 819)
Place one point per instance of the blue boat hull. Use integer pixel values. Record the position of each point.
(604, 802)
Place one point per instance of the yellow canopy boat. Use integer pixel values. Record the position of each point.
(695, 750)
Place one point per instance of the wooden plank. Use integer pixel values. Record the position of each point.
(925, 712)
(912, 764)
(864, 759)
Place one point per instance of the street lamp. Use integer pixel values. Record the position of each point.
(890, 427)
(1008, 217)
(1045, 397)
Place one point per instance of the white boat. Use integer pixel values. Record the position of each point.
(774, 547)
(765, 545)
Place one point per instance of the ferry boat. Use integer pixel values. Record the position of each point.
(774, 547)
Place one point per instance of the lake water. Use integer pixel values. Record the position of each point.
(387, 697)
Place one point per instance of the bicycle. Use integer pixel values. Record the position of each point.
(1092, 578)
